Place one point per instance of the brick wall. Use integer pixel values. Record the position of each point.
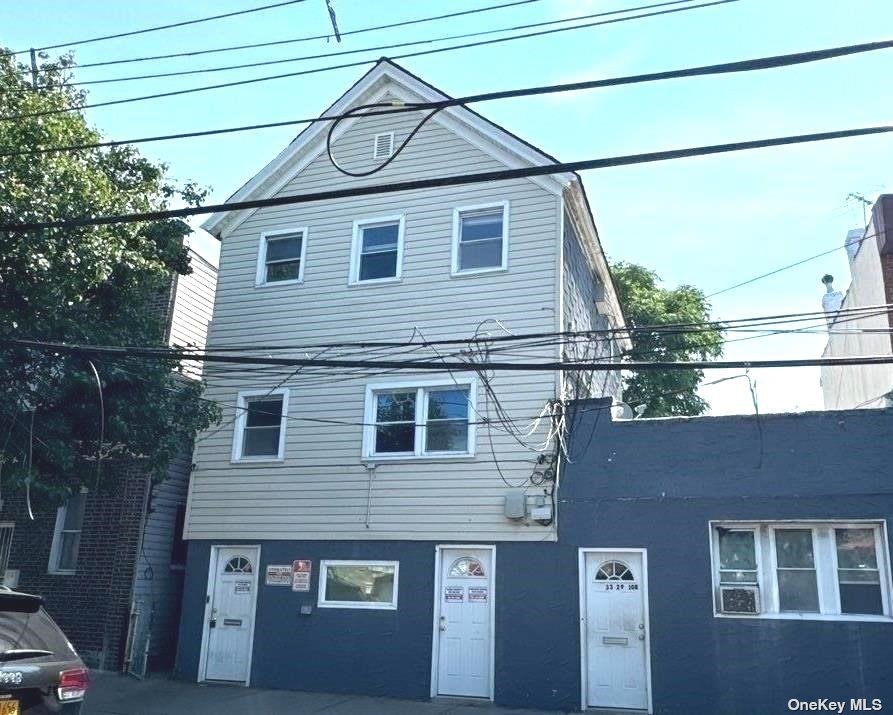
(91, 606)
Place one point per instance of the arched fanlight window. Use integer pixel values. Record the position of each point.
(237, 564)
(466, 566)
(614, 571)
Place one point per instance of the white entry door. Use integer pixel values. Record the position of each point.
(464, 629)
(230, 615)
(615, 630)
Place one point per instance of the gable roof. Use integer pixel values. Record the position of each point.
(387, 77)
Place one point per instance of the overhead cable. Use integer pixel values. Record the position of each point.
(704, 70)
(418, 53)
(441, 181)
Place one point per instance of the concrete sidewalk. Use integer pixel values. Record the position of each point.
(113, 694)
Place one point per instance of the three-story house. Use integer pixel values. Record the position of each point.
(370, 530)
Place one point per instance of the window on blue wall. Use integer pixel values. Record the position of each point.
(802, 569)
(358, 584)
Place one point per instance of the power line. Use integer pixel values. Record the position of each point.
(444, 366)
(169, 26)
(760, 63)
(307, 38)
(441, 181)
(360, 63)
(360, 50)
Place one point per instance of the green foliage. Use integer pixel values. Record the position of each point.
(88, 285)
(645, 303)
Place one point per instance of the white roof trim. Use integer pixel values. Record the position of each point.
(385, 77)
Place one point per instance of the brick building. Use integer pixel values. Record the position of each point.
(110, 565)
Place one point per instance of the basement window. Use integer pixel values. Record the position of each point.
(383, 145)
(819, 570)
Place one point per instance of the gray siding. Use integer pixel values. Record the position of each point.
(193, 303)
(322, 488)
(581, 288)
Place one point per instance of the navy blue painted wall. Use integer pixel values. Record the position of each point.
(651, 484)
(656, 484)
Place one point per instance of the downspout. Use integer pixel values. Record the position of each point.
(370, 468)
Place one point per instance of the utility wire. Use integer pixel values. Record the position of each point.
(444, 366)
(169, 26)
(418, 53)
(760, 63)
(441, 181)
(293, 40)
(360, 50)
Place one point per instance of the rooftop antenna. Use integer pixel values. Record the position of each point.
(852, 195)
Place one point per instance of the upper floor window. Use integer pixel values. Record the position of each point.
(420, 418)
(377, 253)
(280, 258)
(801, 570)
(480, 238)
(260, 425)
(67, 535)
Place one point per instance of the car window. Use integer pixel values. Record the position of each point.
(35, 630)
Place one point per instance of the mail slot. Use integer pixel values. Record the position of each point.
(614, 640)
(232, 621)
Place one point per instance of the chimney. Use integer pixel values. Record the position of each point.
(853, 243)
(832, 300)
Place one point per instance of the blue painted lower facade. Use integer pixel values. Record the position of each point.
(653, 485)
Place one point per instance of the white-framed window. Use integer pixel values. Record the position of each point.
(259, 433)
(480, 238)
(418, 418)
(383, 145)
(280, 256)
(835, 570)
(377, 251)
(358, 584)
(67, 535)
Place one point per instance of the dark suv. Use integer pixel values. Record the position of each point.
(40, 672)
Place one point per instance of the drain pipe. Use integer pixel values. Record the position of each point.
(371, 469)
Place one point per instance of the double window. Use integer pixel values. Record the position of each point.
(358, 584)
(801, 569)
(67, 535)
(480, 238)
(377, 253)
(281, 256)
(420, 419)
(260, 425)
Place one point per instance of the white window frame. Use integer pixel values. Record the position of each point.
(356, 246)
(468, 381)
(323, 575)
(825, 556)
(56, 547)
(455, 270)
(260, 279)
(242, 418)
(375, 154)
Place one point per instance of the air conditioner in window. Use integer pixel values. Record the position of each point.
(739, 599)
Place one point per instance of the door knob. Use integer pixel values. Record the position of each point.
(641, 636)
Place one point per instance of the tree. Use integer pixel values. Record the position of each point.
(646, 303)
(92, 285)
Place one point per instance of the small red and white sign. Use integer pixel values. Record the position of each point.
(301, 569)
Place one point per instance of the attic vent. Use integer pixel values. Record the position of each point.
(383, 145)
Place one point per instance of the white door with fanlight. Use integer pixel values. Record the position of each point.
(463, 629)
(614, 625)
(229, 615)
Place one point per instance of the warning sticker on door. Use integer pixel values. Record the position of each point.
(454, 594)
(243, 587)
(478, 594)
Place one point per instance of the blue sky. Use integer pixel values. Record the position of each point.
(709, 222)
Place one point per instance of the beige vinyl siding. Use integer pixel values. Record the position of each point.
(321, 490)
(193, 304)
